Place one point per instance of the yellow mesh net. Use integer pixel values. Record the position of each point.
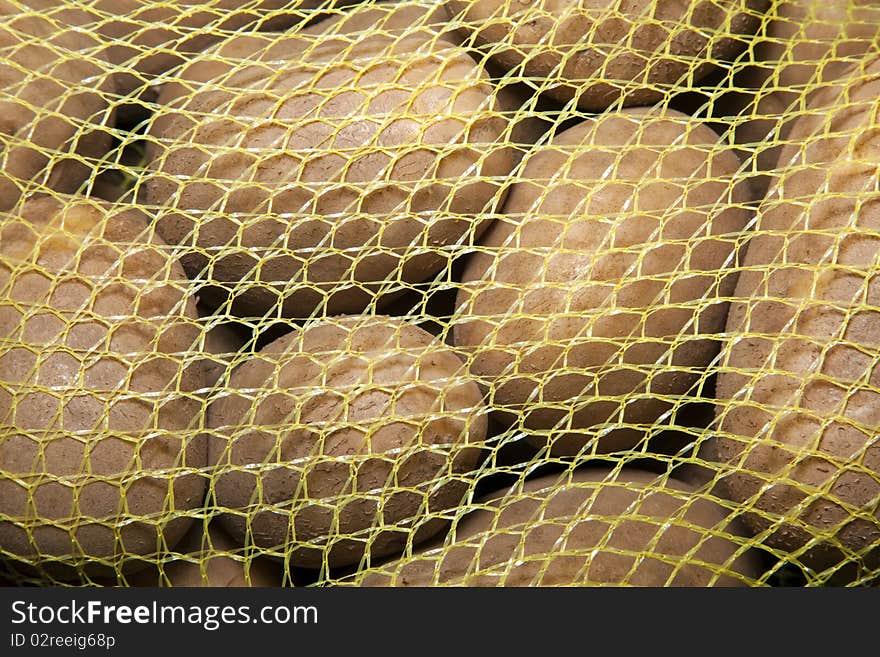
(466, 292)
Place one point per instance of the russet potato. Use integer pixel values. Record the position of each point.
(799, 382)
(311, 176)
(54, 116)
(102, 449)
(348, 436)
(592, 304)
(601, 53)
(208, 557)
(593, 527)
(145, 39)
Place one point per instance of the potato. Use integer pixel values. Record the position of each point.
(148, 38)
(592, 303)
(344, 437)
(621, 527)
(101, 442)
(208, 557)
(386, 16)
(116, 184)
(807, 47)
(601, 53)
(310, 179)
(799, 381)
(759, 122)
(811, 43)
(221, 346)
(528, 119)
(52, 105)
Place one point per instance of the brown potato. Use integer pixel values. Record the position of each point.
(599, 53)
(759, 122)
(527, 120)
(313, 183)
(811, 43)
(54, 116)
(147, 38)
(592, 303)
(385, 16)
(799, 381)
(344, 437)
(806, 47)
(208, 557)
(621, 527)
(221, 347)
(101, 441)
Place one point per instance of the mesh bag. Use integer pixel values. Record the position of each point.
(473, 292)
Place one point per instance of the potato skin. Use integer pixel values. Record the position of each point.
(807, 47)
(95, 321)
(210, 558)
(341, 176)
(600, 280)
(407, 17)
(812, 43)
(221, 347)
(51, 102)
(599, 53)
(798, 402)
(760, 122)
(148, 38)
(356, 422)
(387, 16)
(624, 528)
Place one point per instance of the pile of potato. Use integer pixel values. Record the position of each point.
(466, 292)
